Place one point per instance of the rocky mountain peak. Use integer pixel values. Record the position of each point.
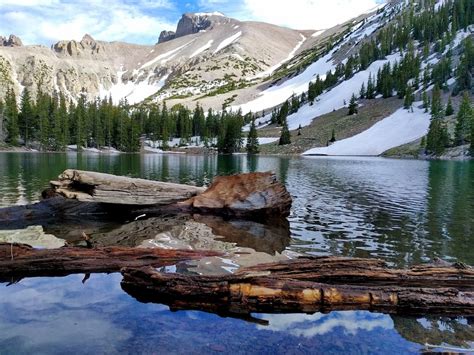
(192, 23)
(166, 36)
(87, 45)
(11, 41)
(88, 40)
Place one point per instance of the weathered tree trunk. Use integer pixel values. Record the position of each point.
(20, 260)
(312, 285)
(252, 195)
(88, 186)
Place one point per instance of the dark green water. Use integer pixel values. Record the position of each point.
(403, 211)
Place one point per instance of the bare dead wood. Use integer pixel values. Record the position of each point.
(88, 186)
(252, 195)
(20, 260)
(312, 285)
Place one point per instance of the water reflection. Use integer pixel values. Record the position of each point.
(380, 207)
(63, 315)
(403, 211)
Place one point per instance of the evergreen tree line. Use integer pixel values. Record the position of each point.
(53, 123)
(438, 138)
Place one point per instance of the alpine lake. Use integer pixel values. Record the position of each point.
(403, 211)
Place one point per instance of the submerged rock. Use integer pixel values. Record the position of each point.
(33, 235)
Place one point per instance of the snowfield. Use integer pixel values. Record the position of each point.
(202, 49)
(270, 70)
(334, 98)
(397, 129)
(133, 92)
(277, 94)
(166, 56)
(228, 41)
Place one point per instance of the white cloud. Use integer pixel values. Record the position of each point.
(28, 2)
(307, 14)
(137, 22)
(141, 21)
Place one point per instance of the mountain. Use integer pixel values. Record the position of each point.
(207, 51)
(371, 84)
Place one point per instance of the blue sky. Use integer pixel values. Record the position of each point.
(141, 21)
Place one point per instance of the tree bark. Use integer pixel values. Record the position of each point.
(88, 186)
(253, 195)
(21, 260)
(312, 285)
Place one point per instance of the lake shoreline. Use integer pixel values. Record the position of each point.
(451, 154)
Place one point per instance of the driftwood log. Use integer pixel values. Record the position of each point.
(245, 195)
(257, 194)
(20, 260)
(89, 186)
(312, 285)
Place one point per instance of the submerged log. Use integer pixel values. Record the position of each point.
(21, 260)
(88, 186)
(311, 285)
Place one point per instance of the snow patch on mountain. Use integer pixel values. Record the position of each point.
(318, 33)
(166, 55)
(202, 49)
(275, 95)
(133, 92)
(337, 97)
(297, 85)
(291, 55)
(400, 128)
(215, 13)
(228, 41)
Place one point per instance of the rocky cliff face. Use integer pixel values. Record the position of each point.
(166, 36)
(12, 41)
(75, 49)
(193, 23)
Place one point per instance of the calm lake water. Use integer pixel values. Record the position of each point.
(403, 211)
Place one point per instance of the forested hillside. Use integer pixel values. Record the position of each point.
(422, 53)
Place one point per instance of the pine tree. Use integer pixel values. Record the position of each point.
(295, 104)
(165, 136)
(11, 115)
(333, 136)
(471, 150)
(436, 105)
(409, 97)
(438, 137)
(464, 119)
(285, 137)
(283, 113)
(449, 108)
(25, 118)
(426, 101)
(229, 139)
(353, 106)
(80, 122)
(252, 140)
(362, 92)
(370, 93)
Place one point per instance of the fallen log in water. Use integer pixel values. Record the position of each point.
(257, 194)
(20, 260)
(245, 195)
(311, 285)
(89, 186)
